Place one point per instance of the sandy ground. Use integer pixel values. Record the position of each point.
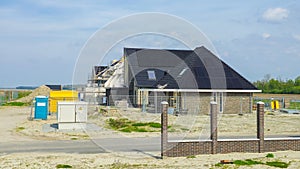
(109, 160)
(15, 127)
(11, 117)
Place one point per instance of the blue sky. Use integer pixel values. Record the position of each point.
(41, 40)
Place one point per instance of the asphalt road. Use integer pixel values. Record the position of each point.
(83, 146)
(68, 146)
(101, 145)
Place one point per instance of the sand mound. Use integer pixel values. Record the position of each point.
(40, 91)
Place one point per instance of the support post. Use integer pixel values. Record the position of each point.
(250, 102)
(164, 128)
(155, 101)
(260, 126)
(213, 126)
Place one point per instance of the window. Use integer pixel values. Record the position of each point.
(151, 75)
(221, 102)
(215, 97)
(218, 98)
(182, 72)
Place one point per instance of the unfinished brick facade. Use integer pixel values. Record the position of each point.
(233, 103)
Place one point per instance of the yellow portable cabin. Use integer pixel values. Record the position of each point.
(61, 95)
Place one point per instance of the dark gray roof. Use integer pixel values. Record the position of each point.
(183, 69)
(54, 87)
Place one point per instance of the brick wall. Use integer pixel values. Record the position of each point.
(260, 144)
(281, 144)
(250, 146)
(179, 149)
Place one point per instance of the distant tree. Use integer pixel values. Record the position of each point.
(297, 81)
(271, 85)
(267, 77)
(274, 84)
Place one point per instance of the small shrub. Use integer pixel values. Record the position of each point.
(278, 164)
(63, 166)
(118, 123)
(270, 155)
(191, 156)
(20, 129)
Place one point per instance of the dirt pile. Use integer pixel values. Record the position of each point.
(40, 91)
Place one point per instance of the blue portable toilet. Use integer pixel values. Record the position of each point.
(41, 107)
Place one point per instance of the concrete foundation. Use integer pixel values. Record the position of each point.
(71, 126)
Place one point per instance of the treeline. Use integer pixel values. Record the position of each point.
(278, 86)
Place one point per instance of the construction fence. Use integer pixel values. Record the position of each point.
(8, 95)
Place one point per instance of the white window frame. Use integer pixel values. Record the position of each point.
(221, 102)
(218, 97)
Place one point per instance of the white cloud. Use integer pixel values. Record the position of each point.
(297, 37)
(266, 35)
(275, 14)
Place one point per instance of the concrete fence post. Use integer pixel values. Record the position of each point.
(213, 126)
(260, 126)
(164, 128)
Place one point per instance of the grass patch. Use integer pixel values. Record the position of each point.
(249, 162)
(118, 123)
(18, 129)
(270, 155)
(218, 165)
(63, 166)
(16, 104)
(278, 164)
(191, 156)
(172, 130)
(246, 162)
(126, 130)
(23, 94)
(184, 129)
(294, 105)
(154, 125)
(139, 124)
(119, 165)
(141, 130)
(130, 129)
(128, 126)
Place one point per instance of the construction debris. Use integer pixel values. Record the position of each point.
(40, 91)
(226, 162)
